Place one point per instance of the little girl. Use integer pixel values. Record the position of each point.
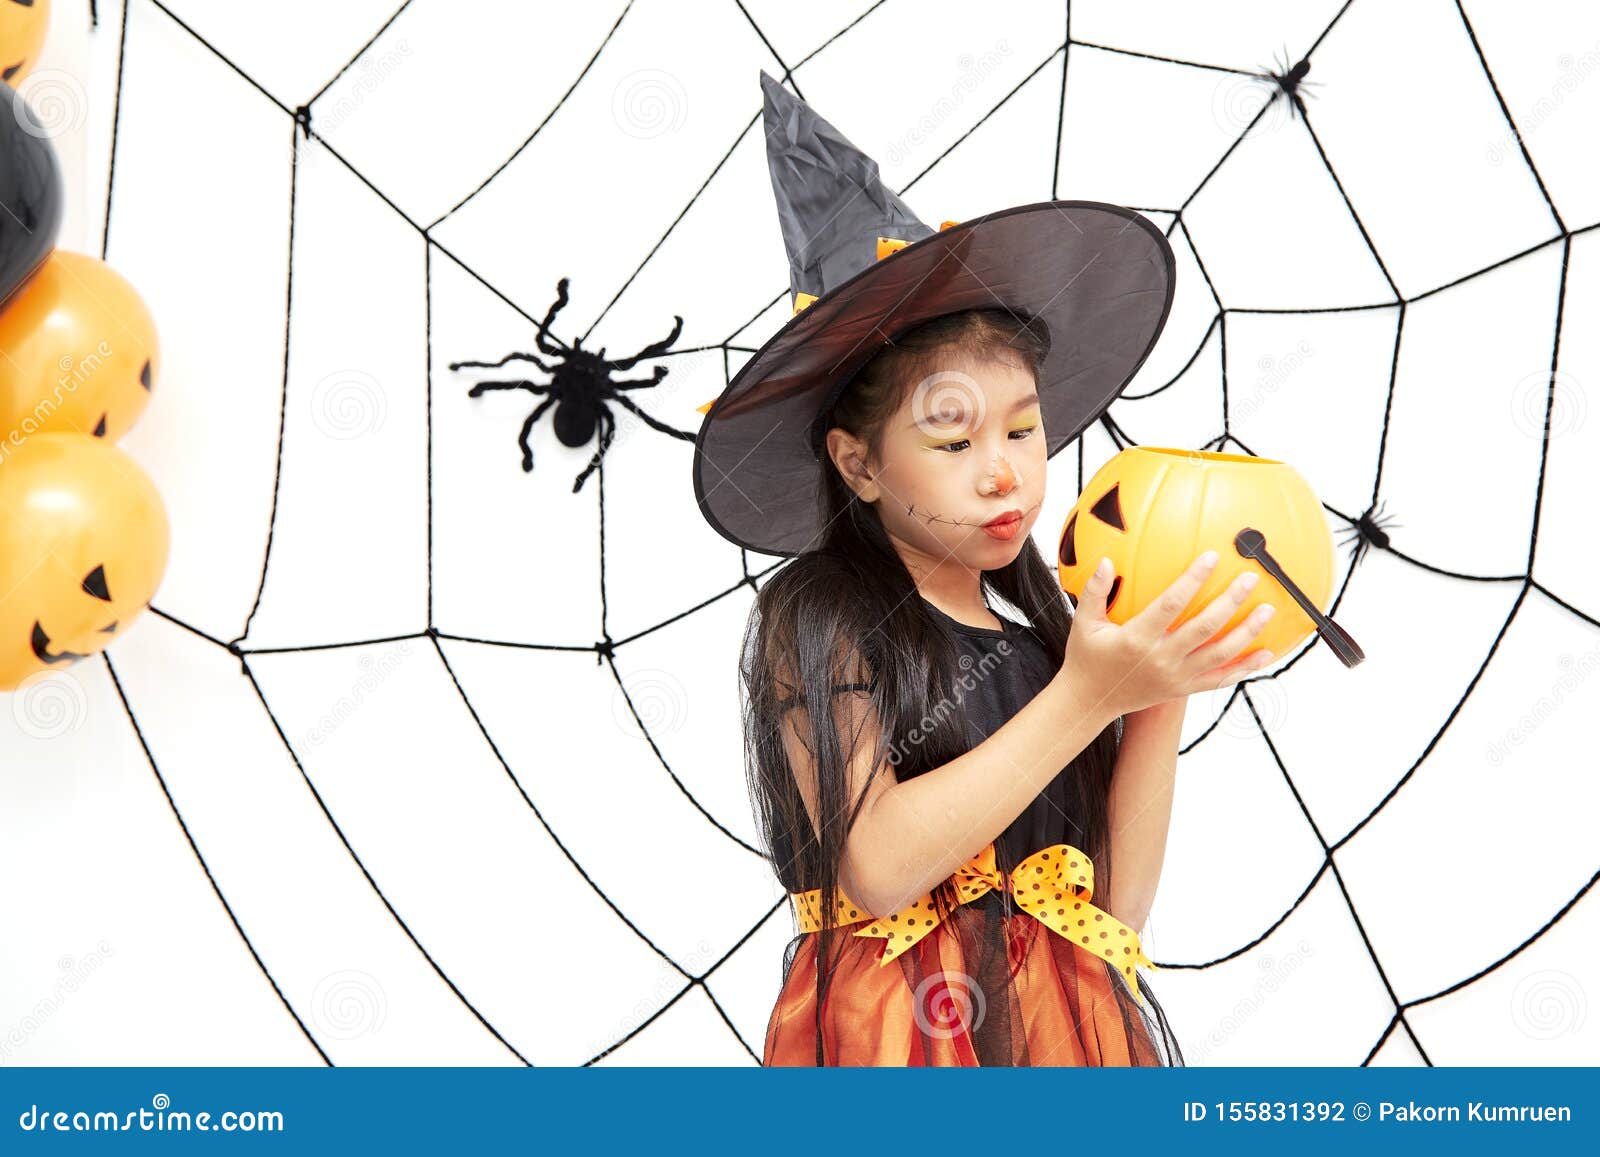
(964, 787)
(919, 699)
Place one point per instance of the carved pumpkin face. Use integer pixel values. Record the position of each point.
(22, 32)
(83, 546)
(80, 351)
(1151, 510)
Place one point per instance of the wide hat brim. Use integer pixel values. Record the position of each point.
(1100, 277)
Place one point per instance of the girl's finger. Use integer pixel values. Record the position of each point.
(1233, 672)
(1156, 618)
(1092, 603)
(1200, 629)
(1214, 655)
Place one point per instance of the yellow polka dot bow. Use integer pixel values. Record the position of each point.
(1053, 885)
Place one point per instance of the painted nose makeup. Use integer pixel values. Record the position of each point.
(1002, 477)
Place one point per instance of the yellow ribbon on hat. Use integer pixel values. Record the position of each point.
(886, 246)
(1053, 885)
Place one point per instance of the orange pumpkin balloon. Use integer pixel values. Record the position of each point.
(22, 33)
(1152, 510)
(77, 351)
(83, 546)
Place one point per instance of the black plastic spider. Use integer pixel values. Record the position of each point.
(1291, 81)
(579, 389)
(1371, 529)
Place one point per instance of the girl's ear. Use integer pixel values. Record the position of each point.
(849, 454)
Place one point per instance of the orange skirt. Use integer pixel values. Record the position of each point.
(989, 985)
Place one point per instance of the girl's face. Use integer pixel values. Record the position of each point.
(960, 467)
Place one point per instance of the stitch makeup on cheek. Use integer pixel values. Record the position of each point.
(930, 517)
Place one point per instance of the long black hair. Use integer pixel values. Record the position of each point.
(845, 618)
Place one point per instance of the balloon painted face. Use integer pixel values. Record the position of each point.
(959, 471)
(51, 651)
(22, 30)
(83, 547)
(80, 351)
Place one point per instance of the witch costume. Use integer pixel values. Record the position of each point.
(1008, 961)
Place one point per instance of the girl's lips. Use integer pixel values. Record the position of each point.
(1004, 526)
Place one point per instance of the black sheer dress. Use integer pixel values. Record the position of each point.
(989, 982)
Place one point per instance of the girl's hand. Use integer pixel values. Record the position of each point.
(1143, 662)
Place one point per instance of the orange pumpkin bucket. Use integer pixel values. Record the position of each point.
(1152, 509)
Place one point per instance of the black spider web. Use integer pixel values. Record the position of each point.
(1366, 526)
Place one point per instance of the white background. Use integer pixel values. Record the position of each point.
(393, 849)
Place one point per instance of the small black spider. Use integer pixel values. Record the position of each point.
(1291, 81)
(1370, 530)
(579, 389)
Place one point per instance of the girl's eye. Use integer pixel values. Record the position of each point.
(960, 444)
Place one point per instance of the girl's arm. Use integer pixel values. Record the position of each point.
(1140, 808)
(911, 836)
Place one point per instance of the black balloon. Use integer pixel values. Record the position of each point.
(30, 192)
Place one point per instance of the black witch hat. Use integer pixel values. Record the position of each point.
(863, 269)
